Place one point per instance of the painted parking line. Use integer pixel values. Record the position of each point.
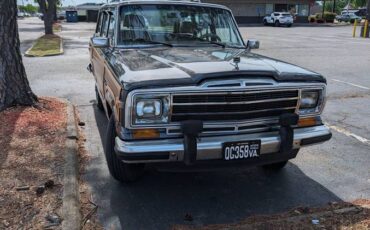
(352, 84)
(349, 134)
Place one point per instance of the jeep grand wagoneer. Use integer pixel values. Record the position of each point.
(181, 88)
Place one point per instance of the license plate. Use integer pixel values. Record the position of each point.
(241, 150)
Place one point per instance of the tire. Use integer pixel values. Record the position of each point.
(289, 25)
(99, 102)
(264, 22)
(119, 170)
(275, 167)
(277, 23)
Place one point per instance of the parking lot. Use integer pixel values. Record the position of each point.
(334, 171)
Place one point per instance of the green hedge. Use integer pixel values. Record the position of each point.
(329, 16)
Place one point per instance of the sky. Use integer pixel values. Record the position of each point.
(64, 2)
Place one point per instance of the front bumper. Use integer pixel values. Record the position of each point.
(285, 22)
(210, 148)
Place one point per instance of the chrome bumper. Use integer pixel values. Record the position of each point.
(210, 148)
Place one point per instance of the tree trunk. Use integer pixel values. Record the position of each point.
(14, 86)
(48, 11)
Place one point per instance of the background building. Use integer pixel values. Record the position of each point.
(252, 11)
(87, 12)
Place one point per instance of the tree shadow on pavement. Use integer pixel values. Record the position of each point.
(160, 200)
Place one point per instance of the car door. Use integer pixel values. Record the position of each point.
(97, 54)
(111, 86)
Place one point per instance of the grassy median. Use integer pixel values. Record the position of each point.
(46, 45)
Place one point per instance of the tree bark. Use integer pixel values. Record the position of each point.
(14, 86)
(368, 10)
(48, 8)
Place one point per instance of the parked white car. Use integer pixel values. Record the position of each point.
(278, 18)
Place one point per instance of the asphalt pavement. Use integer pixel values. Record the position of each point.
(334, 171)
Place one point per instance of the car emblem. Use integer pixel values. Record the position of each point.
(236, 61)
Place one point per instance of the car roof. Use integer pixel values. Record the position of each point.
(177, 2)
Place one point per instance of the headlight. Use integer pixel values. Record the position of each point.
(311, 101)
(150, 109)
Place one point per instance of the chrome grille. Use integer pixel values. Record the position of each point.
(226, 106)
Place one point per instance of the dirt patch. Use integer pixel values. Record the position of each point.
(31, 165)
(342, 215)
(89, 208)
(57, 27)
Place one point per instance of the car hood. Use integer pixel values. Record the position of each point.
(137, 68)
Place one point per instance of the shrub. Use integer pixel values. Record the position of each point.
(329, 16)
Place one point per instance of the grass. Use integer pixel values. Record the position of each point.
(46, 45)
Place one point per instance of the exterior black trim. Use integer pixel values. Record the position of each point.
(264, 159)
(314, 140)
(197, 79)
(143, 156)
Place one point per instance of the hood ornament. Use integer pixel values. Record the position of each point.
(236, 61)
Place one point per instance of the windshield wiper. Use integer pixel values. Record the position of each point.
(223, 45)
(158, 42)
(148, 41)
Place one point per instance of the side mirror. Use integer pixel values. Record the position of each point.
(253, 44)
(100, 42)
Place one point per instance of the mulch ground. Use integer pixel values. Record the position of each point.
(341, 215)
(31, 165)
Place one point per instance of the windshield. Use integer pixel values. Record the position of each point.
(181, 25)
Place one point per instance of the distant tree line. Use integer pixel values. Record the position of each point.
(340, 4)
(29, 8)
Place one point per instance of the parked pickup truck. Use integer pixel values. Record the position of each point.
(182, 90)
(278, 18)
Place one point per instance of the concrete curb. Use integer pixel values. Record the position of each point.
(71, 200)
(61, 50)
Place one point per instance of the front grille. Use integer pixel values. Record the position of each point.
(228, 106)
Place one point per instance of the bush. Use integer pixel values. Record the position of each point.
(329, 16)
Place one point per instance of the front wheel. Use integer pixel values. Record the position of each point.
(119, 170)
(277, 23)
(99, 102)
(289, 25)
(275, 166)
(265, 22)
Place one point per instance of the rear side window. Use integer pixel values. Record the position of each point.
(286, 15)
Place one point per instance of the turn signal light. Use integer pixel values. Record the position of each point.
(145, 133)
(309, 121)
